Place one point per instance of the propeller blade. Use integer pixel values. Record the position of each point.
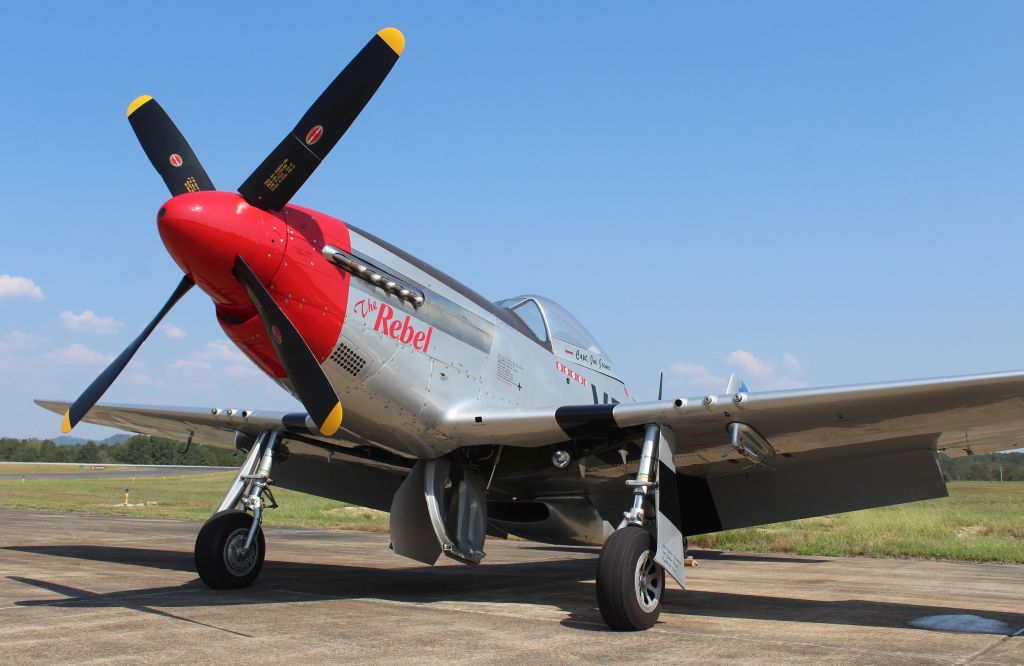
(307, 377)
(166, 148)
(282, 173)
(80, 407)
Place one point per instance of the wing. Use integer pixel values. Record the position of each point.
(211, 427)
(755, 458)
(352, 470)
(957, 415)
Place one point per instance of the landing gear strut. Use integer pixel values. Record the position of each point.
(634, 560)
(230, 547)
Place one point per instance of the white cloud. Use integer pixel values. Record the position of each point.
(220, 350)
(13, 286)
(142, 378)
(172, 331)
(242, 370)
(759, 374)
(89, 322)
(78, 354)
(767, 375)
(16, 341)
(18, 352)
(694, 377)
(218, 358)
(189, 366)
(745, 361)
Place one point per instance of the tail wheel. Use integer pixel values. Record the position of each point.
(630, 584)
(220, 556)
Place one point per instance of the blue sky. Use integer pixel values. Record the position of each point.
(809, 193)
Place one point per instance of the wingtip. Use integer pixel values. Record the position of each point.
(394, 38)
(136, 103)
(65, 426)
(332, 422)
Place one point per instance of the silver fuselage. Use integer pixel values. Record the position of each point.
(402, 371)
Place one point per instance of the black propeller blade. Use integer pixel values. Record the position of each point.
(84, 403)
(306, 375)
(270, 187)
(282, 173)
(166, 148)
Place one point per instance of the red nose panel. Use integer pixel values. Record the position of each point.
(310, 289)
(205, 231)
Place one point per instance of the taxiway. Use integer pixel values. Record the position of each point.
(78, 588)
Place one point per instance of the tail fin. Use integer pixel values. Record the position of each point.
(735, 385)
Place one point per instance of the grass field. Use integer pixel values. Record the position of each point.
(191, 497)
(980, 521)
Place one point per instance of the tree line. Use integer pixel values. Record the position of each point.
(983, 467)
(137, 450)
(146, 450)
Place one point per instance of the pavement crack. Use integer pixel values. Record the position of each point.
(982, 652)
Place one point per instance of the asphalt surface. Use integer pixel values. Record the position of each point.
(84, 589)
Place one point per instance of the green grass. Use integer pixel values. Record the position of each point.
(192, 497)
(980, 521)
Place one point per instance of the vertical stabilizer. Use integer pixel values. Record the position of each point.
(735, 385)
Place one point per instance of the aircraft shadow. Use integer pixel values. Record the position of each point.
(565, 583)
(697, 554)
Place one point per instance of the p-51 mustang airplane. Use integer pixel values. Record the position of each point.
(465, 418)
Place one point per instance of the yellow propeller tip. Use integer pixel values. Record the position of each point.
(332, 422)
(139, 101)
(394, 38)
(65, 426)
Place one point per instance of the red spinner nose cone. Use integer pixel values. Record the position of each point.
(204, 233)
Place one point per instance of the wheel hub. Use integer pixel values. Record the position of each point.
(648, 581)
(237, 559)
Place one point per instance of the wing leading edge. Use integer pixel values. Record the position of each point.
(958, 415)
(745, 459)
(214, 428)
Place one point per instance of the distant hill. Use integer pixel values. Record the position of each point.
(67, 440)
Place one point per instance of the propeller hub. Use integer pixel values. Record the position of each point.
(205, 231)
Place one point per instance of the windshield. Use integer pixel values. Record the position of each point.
(562, 326)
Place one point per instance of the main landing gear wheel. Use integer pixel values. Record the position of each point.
(630, 583)
(221, 559)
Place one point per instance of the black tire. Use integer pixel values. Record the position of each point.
(623, 606)
(217, 551)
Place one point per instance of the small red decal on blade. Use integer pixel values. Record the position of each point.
(175, 160)
(276, 334)
(313, 135)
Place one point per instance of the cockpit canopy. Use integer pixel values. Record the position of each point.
(549, 321)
